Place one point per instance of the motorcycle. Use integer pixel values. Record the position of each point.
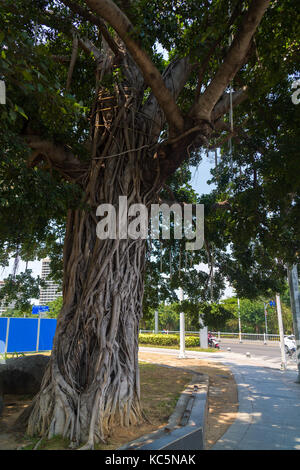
(213, 342)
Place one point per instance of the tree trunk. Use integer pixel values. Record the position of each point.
(92, 382)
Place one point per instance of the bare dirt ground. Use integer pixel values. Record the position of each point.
(158, 403)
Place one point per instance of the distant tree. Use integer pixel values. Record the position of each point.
(253, 316)
(213, 315)
(12, 312)
(168, 318)
(55, 307)
(20, 289)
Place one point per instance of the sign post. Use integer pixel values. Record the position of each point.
(37, 310)
(281, 333)
(266, 322)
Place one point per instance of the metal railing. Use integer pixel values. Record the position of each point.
(170, 332)
(263, 337)
(247, 336)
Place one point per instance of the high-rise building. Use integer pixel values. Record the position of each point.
(52, 290)
(4, 305)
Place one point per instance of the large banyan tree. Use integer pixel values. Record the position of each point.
(113, 97)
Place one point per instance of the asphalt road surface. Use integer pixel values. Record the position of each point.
(269, 350)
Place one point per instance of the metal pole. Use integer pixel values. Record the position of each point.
(38, 333)
(281, 333)
(156, 321)
(7, 335)
(182, 328)
(266, 322)
(240, 327)
(295, 304)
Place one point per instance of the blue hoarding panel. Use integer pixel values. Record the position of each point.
(47, 331)
(22, 334)
(3, 326)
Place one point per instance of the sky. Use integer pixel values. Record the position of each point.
(200, 176)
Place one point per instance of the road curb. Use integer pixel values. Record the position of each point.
(186, 427)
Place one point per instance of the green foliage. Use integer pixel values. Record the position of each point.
(213, 315)
(250, 244)
(20, 289)
(252, 316)
(55, 307)
(168, 318)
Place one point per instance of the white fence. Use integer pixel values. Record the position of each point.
(225, 335)
(247, 336)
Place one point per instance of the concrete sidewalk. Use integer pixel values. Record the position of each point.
(269, 403)
(269, 411)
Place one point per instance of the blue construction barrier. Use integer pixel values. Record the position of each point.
(47, 332)
(26, 334)
(3, 326)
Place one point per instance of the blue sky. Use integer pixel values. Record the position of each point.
(201, 175)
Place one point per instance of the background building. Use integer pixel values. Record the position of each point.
(52, 290)
(4, 305)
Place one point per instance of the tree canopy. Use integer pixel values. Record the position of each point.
(38, 40)
(108, 98)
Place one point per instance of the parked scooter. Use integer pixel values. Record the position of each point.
(212, 341)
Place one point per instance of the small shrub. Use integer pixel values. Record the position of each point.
(167, 340)
(192, 341)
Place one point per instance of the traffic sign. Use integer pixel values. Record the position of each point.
(272, 303)
(37, 309)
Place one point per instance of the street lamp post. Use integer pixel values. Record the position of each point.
(240, 327)
(182, 328)
(156, 321)
(295, 304)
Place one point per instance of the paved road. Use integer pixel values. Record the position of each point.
(269, 350)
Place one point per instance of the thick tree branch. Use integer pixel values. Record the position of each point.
(233, 60)
(88, 46)
(223, 106)
(109, 11)
(175, 77)
(56, 156)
